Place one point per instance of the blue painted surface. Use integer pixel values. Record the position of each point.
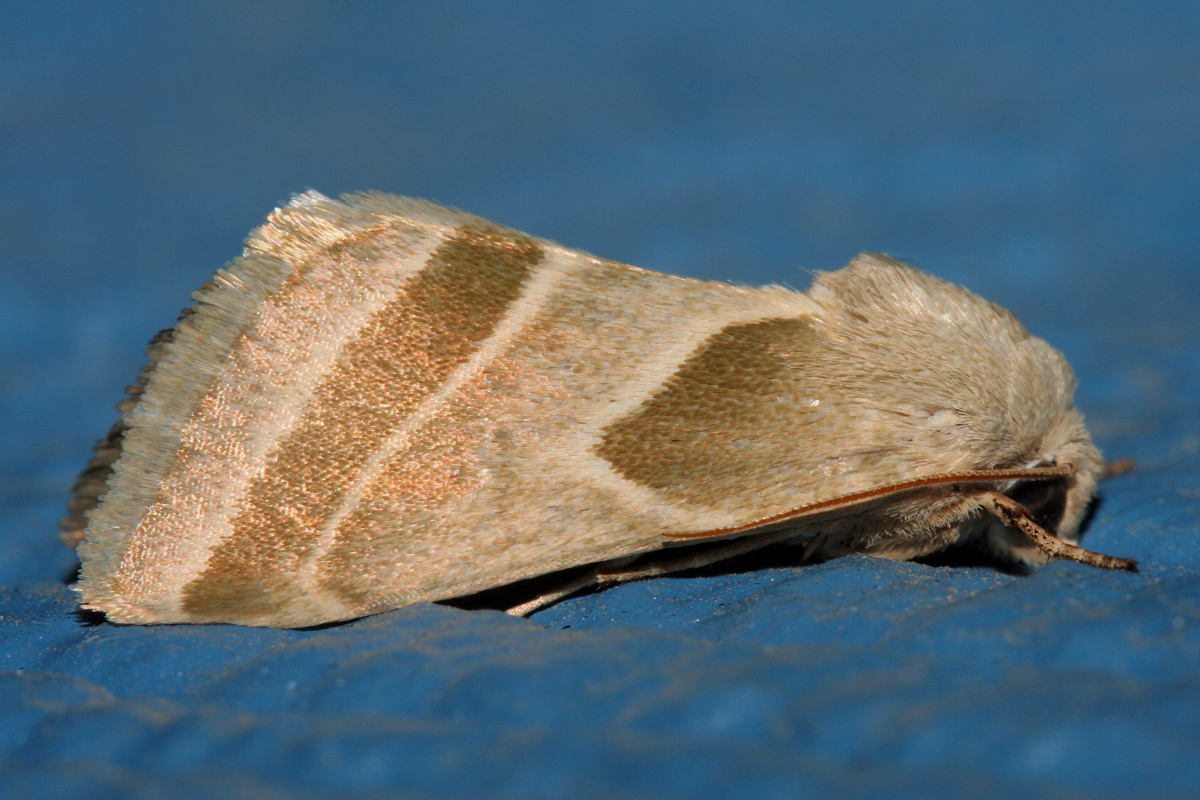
(1042, 156)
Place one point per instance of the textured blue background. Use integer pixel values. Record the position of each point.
(1045, 155)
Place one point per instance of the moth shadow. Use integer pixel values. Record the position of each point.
(72, 574)
(1089, 514)
(87, 618)
(505, 597)
(967, 556)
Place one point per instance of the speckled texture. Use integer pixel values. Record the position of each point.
(1042, 157)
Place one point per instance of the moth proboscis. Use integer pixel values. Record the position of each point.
(385, 401)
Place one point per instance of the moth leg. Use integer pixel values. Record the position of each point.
(1114, 469)
(1014, 515)
(585, 581)
(617, 572)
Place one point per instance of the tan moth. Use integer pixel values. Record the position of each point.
(385, 402)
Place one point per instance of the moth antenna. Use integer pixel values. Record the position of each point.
(1115, 469)
(1014, 515)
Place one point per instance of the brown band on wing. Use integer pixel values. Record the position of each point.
(844, 501)
(729, 418)
(394, 362)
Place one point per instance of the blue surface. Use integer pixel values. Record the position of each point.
(1043, 156)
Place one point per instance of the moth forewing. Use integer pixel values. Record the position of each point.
(386, 402)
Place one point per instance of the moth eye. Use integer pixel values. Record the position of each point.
(1045, 500)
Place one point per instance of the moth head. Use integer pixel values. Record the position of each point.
(1058, 505)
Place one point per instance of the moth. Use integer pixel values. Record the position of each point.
(385, 401)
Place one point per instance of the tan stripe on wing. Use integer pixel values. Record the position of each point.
(399, 358)
(389, 522)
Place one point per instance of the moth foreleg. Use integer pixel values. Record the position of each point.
(621, 571)
(1014, 515)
